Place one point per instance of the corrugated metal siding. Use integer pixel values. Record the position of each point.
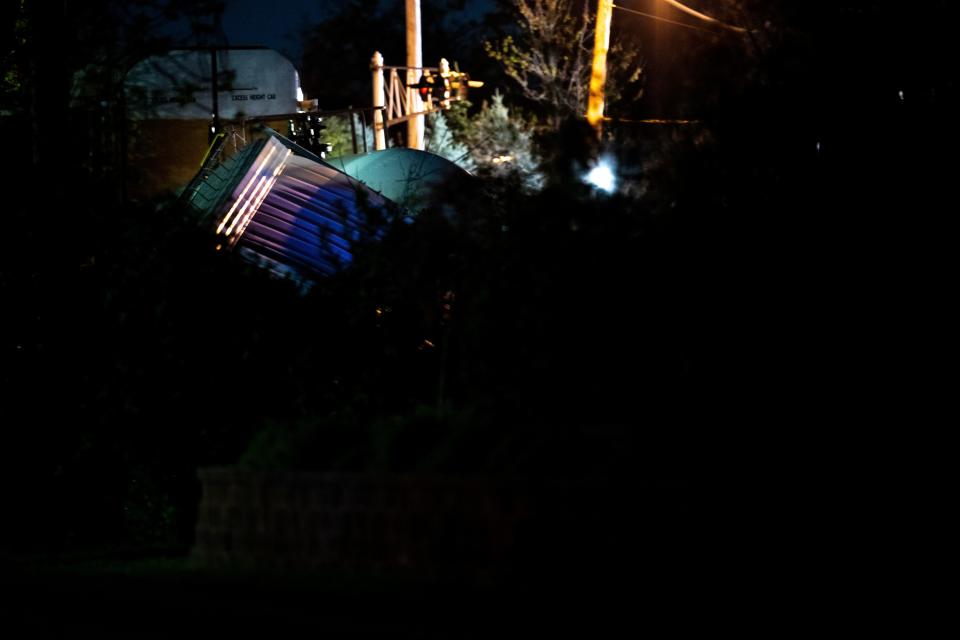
(290, 211)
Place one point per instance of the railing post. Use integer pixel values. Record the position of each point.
(379, 101)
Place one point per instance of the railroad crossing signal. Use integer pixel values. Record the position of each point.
(443, 87)
(395, 101)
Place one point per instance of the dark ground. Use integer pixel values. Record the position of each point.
(162, 596)
(759, 566)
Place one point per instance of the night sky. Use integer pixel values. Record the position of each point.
(245, 21)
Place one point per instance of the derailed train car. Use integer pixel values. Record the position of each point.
(285, 208)
(299, 215)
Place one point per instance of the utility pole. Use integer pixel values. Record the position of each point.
(598, 76)
(414, 70)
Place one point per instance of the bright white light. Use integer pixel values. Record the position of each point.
(299, 94)
(601, 176)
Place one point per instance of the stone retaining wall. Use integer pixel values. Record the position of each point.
(421, 523)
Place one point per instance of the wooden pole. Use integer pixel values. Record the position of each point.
(379, 100)
(598, 76)
(414, 60)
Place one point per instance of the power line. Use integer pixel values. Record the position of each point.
(668, 20)
(652, 120)
(702, 16)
